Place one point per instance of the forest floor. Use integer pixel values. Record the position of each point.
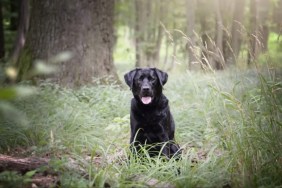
(228, 125)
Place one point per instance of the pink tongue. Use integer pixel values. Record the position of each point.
(146, 100)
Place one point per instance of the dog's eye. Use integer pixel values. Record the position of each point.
(141, 78)
(152, 79)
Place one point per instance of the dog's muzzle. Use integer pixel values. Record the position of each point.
(146, 94)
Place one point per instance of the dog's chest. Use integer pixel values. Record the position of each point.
(153, 132)
(151, 118)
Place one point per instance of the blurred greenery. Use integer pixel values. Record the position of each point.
(11, 118)
(274, 55)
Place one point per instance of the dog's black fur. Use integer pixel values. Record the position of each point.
(150, 118)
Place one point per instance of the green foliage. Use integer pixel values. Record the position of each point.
(13, 120)
(73, 111)
(13, 179)
(10, 93)
(252, 134)
(274, 54)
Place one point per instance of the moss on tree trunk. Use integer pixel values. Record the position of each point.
(24, 65)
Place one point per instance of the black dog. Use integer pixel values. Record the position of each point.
(151, 121)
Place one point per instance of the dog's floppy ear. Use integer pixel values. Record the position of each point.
(128, 77)
(162, 76)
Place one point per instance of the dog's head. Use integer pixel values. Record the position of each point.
(146, 83)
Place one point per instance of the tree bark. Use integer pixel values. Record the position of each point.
(23, 165)
(21, 32)
(2, 42)
(85, 28)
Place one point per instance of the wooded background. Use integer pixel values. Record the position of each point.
(203, 34)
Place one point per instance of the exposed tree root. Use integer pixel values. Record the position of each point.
(45, 177)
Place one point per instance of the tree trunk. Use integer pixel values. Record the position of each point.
(167, 42)
(207, 54)
(22, 165)
(211, 47)
(277, 15)
(2, 42)
(148, 31)
(85, 28)
(252, 55)
(21, 33)
(263, 18)
(259, 28)
(139, 32)
(172, 61)
(207, 62)
(226, 9)
(219, 59)
(236, 31)
(174, 49)
(15, 10)
(155, 34)
(190, 17)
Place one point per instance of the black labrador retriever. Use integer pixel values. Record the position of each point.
(151, 122)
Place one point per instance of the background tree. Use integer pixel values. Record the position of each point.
(148, 31)
(2, 42)
(237, 29)
(14, 14)
(218, 31)
(212, 34)
(85, 28)
(263, 21)
(22, 28)
(139, 31)
(191, 44)
(277, 15)
(259, 31)
(124, 19)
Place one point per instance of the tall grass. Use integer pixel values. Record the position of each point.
(228, 124)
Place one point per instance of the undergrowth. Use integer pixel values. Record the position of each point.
(228, 125)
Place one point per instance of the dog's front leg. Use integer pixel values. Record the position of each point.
(133, 127)
(164, 139)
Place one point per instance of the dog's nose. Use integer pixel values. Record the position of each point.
(145, 88)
